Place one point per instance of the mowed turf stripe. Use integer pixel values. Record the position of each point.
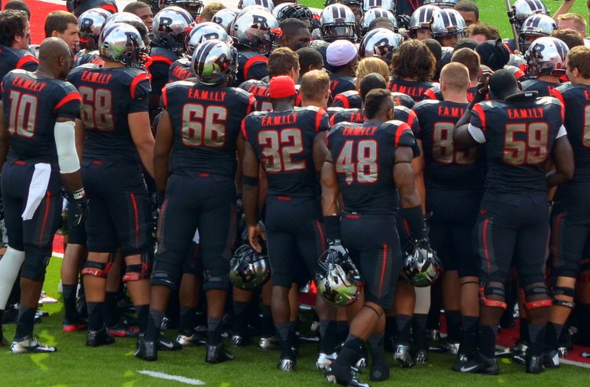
(176, 378)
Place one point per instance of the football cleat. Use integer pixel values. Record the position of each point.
(345, 376)
(190, 340)
(73, 326)
(551, 359)
(287, 365)
(266, 343)
(421, 356)
(534, 364)
(240, 341)
(146, 350)
(451, 348)
(401, 354)
(562, 352)
(218, 354)
(122, 329)
(379, 372)
(480, 365)
(30, 345)
(98, 338)
(165, 344)
(324, 360)
(433, 334)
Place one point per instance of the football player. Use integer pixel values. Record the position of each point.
(342, 56)
(413, 66)
(144, 12)
(37, 136)
(451, 29)
(338, 22)
(368, 177)
(351, 99)
(469, 10)
(15, 34)
(118, 143)
(546, 59)
(63, 25)
(90, 23)
(294, 34)
(292, 156)
(520, 132)
(78, 7)
(422, 20)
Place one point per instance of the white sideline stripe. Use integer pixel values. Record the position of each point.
(57, 255)
(574, 363)
(176, 378)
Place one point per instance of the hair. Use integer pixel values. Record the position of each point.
(456, 75)
(579, 21)
(470, 59)
(292, 26)
(570, 37)
(490, 32)
(281, 61)
(414, 60)
(372, 65)
(309, 57)
(370, 82)
(18, 5)
(374, 22)
(465, 43)
(377, 100)
(210, 10)
(141, 28)
(579, 58)
(468, 6)
(12, 22)
(59, 21)
(134, 6)
(503, 83)
(314, 84)
(435, 48)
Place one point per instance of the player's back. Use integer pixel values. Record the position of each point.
(180, 70)
(283, 142)
(12, 59)
(364, 155)
(259, 89)
(541, 87)
(206, 122)
(31, 106)
(109, 96)
(251, 65)
(416, 90)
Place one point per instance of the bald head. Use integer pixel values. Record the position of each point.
(456, 76)
(55, 57)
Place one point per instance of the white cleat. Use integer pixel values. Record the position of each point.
(30, 345)
(325, 360)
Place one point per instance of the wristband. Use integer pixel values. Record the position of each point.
(332, 224)
(415, 221)
(79, 194)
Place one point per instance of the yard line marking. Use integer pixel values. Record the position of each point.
(574, 363)
(180, 379)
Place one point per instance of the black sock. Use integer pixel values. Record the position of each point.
(25, 323)
(403, 323)
(552, 335)
(487, 340)
(537, 337)
(241, 318)
(95, 315)
(111, 312)
(267, 326)
(214, 330)
(284, 339)
(349, 353)
(419, 331)
(69, 295)
(328, 337)
(453, 318)
(342, 331)
(469, 335)
(524, 330)
(154, 322)
(188, 320)
(377, 348)
(142, 316)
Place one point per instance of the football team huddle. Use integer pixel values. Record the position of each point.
(401, 159)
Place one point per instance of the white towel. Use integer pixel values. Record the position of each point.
(197, 237)
(37, 189)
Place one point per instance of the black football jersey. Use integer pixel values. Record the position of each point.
(81, 7)
(83, 57)
(162, 59)
(340, 84)
(542, 88)
(519, 133)
(403, 99)
(206, 122)
(416, 90)
(180, 70)
(251, 65)
(31, 107)
(259, 89)
(108, 97)
(350, 99)
(283, 142)
(364, 156)
(576, 100)
(446, 167)
(11, 59)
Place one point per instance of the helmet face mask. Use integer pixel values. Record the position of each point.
(248, 269)
(526, 8)
(381, 43)
(373, 14)
(338, 22)
(338, 280)
(536, 26)
(425, 18)
(170, 27)
(91, 23)
(202, 32)
(122, 43)
(546, 56)
(253, 29)
(421, 266)
(215, 62)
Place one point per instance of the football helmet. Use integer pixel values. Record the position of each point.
(202, 32)
(358, 3)
(248, 269)
(421, 266)
(268, 4)
(526, 8)
(292, 10)
(215, 62)
(122, 43)
(254, 30)
(225, 18)
(424, 17)
(121, 17)
(386, 4)
(91, 23)
(441, 3)
(546, 56)
(452, 24)
(193, 7)
(338, 280)
(338, 22)
(381, 43)
(171, 25)
(373, 14)
(537, 26)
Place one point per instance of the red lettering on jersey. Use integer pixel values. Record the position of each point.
(95, 77)
(180, 73)
(279, 120)
(412, 91)
(217, 96)
(586, 94)
(28, 84)
(357, 117)
(526, 113)
(444, 111)
(359, 131)
(258, 91)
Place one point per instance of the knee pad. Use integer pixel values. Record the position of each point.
(563, 291)
(536, 290)
(215, 280)
(161, 278)
(35, 266)
(98, 269)
(486, 291)
(137, 272)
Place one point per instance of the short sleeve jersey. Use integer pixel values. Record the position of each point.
(340, 84)
(206, 122)
(259, 89)
(180, 70)
(31, 107)
(11, 59)
(283, 142)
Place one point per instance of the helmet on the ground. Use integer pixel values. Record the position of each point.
(215, 62)
(248, 269)
(338, 280)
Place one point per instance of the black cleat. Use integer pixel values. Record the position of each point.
(98, 338)
(421, 356)
(534, 364)
(146, 350)
(287, 365)
(379, 372)
(218, 354)
(345, 376)
(165, 344)
(479, 365)
(551, 359)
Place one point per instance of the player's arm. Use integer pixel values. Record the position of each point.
(411, 204)
(3, 136)
(418, 168)
(139, 126)
(330, 194)
(565, 7)
(80, 134)
(162, 148)
(250, 167)
(562, 156)
(462, 138)
(320, 151)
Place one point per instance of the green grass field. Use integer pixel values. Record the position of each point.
(77, 365)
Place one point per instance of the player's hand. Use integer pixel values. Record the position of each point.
(337, 247)
(484, 82)
(256, 232)
(403, 21)
(80, 211)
